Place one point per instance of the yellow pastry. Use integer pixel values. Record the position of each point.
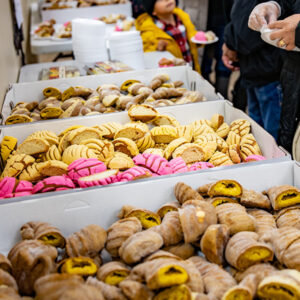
(51, 112)
(15, 119)
(33, 146)
(164, 134)
(220, 159)
(212, 137)
(189, 152)
(78, 135)
(223, 130)
(155, 151)
(126, 84)
(165, 120)
(126, 146)
(108, 130)
(31, 173)
(144, 113)
(8, 145)
(240, 127)
(145, 142)
(52, 92)
(48, 135)
(133, 131)
(216, 121)
(120, 161)
(186, 131)
(200, 130)
(103, 149)
(249, 146)
(75, 152)
(69, 129)
(173, 146)
(209, 149)
(52, 168)
(233, 138)
(52, 154)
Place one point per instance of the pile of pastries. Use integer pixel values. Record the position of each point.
(45, 29)
(107, 98)
(88, 3)
(220, 242)
(109, 153)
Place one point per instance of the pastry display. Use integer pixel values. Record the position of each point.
(153, 255)
(150, 145)
(80, 101)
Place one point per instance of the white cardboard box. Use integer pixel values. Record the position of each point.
(33, 91)
(72, 210)
(68, 14)
(185, 114)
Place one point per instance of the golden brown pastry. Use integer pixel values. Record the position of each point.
(161, 254)
(32, 173)
(5, 264)
(170, 229)
(181, 291)
(6, 279)
(264, 222)
(9, 293)
(33, 146)
(212, 274)
(80, 265)
(213, 243)
(220, 159)
(155, 151)
(283, 196)
(88, 241)
(134, 290)
(173, 146)
(195, 219)
(216, 121)
(244, 250)
(139, 245)
(30, 260)
(78, 135)
(195, 281)
(189, 152)
(253, 199)
(249, 146)
(120, 161)
(227, 188)
(113, 272)
(215, 201)
(169, 206)
(184, 192)
(76, 91)
(182, 250)
(235, 217)
(16, 118)
(110, 292)
(165, 120)
(158, 81)
(240, 126)
(234, 153)
(119, 232)
(133, 131)
(16, 164)
(48, 135)
(52, 92)
(44, 232)
(201, 129)
(289, 217)
(52, 168)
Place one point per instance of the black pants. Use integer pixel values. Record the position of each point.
(290, 112)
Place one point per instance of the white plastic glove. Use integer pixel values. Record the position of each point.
(263, 14)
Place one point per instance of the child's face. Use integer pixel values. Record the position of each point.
(164, 7)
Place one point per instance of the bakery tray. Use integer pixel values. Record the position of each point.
(72, 210)
(33, 91)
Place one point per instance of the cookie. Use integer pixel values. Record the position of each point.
(8, 145)
(120, 161)
(16, 164)
(102, 148)
(75, 152)
(53, 168)
(54, 183)
(209, 149)
(178, 165)
(103, 178)
(144, 113)
(164, 134)
(155, 163)
(189, 152)
(126, 146)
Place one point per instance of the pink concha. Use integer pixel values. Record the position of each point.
(53, 183)
(103, 178)
(154, 163)
(21, 194)
(135, 173)
(178, 165)
(200, 166)
(254, 158)
(85, 167)
(24, 186)
(7, 185)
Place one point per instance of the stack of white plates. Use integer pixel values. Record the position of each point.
(128, 48)
(89, 40)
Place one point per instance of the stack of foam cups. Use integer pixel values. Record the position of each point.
(127, 47)
(89, 40)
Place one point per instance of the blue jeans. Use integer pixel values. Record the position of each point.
(264, 106)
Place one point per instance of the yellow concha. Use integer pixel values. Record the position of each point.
(75, 152)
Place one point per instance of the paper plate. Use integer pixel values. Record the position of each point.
(204, 42)
(265, 35)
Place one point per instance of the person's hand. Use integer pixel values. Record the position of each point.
(263, 14)
(229, 57)
(286, 31)
(162, 45)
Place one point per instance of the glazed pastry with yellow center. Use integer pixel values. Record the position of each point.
(215, 201)
(229, 188)
(113, 272)
(52, 92)
(244, 250)
(253, 199)
(44, 232)
(283, 196)
(83, 266)
(169, 206)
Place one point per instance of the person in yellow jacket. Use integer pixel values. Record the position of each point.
(165, 27)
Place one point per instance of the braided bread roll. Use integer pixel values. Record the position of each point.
(289, 217)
